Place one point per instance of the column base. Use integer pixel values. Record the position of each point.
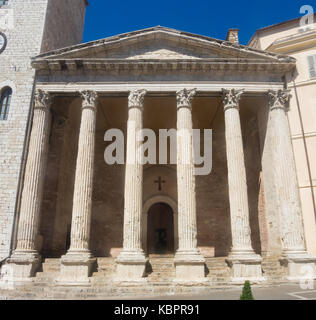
(300, 265)
(76, 268)
(245, 265)
(190, 267)
(131, 266)
(20, 268)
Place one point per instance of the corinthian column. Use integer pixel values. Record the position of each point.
(131, 262)
(188, 260)
(77, 263)
(244, 262)
(25, 258)
(291, 224)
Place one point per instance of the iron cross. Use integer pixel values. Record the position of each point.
(160, 182)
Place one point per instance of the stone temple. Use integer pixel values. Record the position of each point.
(69, 219)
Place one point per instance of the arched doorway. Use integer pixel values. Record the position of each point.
(160, 229)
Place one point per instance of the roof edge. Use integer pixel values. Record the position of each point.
(162, 29)
(274, 26)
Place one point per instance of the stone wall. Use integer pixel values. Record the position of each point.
(64, 24)
(25, 40)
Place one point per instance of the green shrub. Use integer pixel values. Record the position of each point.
(246, 292)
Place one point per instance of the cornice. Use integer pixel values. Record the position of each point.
(154, 65)
(153, 34)
(294, 43)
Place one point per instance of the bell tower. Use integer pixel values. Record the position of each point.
(27, 28)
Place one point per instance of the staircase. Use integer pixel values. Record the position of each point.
(272, 270)
(105, 272)
(50, 271)
(218, 270)
(160, 269)
(160, 274)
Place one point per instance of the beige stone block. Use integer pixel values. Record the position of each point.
(130, 272)
(190, 272)
(76, 269)
(115, 252)
(207, 251)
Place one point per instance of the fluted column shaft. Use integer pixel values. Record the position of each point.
(292, 232)
(185, 173)
(82, 200)
(133, 195)
(237, 183)
(34, 174)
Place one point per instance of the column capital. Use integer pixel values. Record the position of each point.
(278, 99)
(136, 98)
(231, 98)
(185, 98)
(42, 100)
(89, 99)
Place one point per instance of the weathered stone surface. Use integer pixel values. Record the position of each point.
(76, 265)
(131, 261)
(37, 28)
(245, 263)
(189, 262)
(292, 233)
(25, 259)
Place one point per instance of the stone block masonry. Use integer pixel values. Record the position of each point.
(39, 25)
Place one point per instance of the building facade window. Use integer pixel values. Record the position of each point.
(3, 2)
(312, 66)
(5, 101)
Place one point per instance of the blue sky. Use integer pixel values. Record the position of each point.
(211, 18)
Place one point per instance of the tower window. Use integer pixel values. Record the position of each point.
(3, 2)
(6, 95)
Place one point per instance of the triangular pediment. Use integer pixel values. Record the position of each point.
(160, 43)
(160, 53)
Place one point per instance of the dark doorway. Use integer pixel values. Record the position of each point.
(160, 229)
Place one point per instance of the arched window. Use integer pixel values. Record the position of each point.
(6, 95)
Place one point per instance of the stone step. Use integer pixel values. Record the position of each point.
(161, 265)
(160, 269)
(272, 269)
(220, 274)
(106, 266)
(265, 265)
(160, 262)
(160, 274)
(52, 261)
(273, 272)
(105, 261)
(217, 267)
(220, 280)
(47, 274)
(51, 265)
